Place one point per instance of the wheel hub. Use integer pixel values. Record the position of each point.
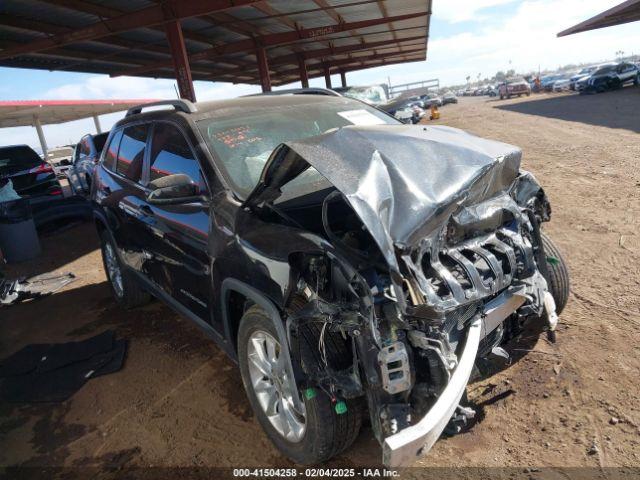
(273, 389)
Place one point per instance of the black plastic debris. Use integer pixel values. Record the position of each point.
(18, 290)
(53, 372)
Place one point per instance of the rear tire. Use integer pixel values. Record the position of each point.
(557, 273)
(326, 433)
(124, 286)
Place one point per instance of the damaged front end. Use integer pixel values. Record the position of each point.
(436, 259)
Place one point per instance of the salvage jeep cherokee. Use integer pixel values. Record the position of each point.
(348, 262)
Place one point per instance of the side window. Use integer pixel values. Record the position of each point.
(171, 154)
(85, 149)
(76, 153)
(131, 153)
(112, 152)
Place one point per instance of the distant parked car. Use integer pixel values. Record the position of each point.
(449, 97)
(610, 77)
(432, 99)
(31, 176)
(584, 73)
(85, 157)
(561, 85)
(511, 87)
(405, 115)
(546, 82)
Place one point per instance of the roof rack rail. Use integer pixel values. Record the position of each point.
(300, 91)
(180, 105)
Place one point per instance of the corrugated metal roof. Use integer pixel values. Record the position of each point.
(222, 36)
(22, 112)
(626, 12)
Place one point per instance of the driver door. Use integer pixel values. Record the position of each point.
(179, 247)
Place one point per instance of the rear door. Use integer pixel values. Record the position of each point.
(129, 197)
(627, 72)
(179, 249)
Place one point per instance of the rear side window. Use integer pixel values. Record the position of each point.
(112, 152)
(131, 153)
(18, 157)
(98, 141)
(85, 149)
(171, 154)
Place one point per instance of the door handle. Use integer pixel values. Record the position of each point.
(146, 211)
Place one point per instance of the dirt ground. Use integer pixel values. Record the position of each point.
(179, 401)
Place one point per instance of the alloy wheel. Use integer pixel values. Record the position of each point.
(113, 269)
(272, 387)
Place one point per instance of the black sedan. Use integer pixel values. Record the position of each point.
(31, 176)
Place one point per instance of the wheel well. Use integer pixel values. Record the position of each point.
(100, 226)
(237, 304)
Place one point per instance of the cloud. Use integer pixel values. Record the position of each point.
(455, 11)
(528, 39)
(523, 41)
(104, 87)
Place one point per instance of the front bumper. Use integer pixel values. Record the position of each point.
(406, 446)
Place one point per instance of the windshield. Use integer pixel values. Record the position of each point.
(606, 69)
(244, 142)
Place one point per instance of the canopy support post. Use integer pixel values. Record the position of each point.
(96, 121)
(263, 68)
(180, 60)
(327, 76)
(43, 142)
(343, 78)
(304, 76)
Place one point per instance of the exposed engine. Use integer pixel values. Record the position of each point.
(451, 279)
(433, 257)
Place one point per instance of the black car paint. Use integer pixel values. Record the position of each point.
(215, 247)
(617, 77)
(35, 180)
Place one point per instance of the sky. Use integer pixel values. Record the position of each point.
(467, 38)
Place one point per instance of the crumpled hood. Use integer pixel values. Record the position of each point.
(403, 181)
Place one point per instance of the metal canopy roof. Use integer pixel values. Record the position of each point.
(626, 12)
(127, 37)
(24, 113)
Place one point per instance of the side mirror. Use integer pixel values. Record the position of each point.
(173, 189)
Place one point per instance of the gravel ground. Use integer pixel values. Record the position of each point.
(179, 401)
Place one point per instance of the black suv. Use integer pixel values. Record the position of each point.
(348, 262)
(85, 157)
(610, 77)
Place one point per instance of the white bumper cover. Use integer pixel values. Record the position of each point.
(403, 448)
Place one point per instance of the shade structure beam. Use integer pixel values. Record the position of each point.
(180, 60)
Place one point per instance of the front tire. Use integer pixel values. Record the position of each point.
(323, 433)
(557, 273)
(124, 287)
